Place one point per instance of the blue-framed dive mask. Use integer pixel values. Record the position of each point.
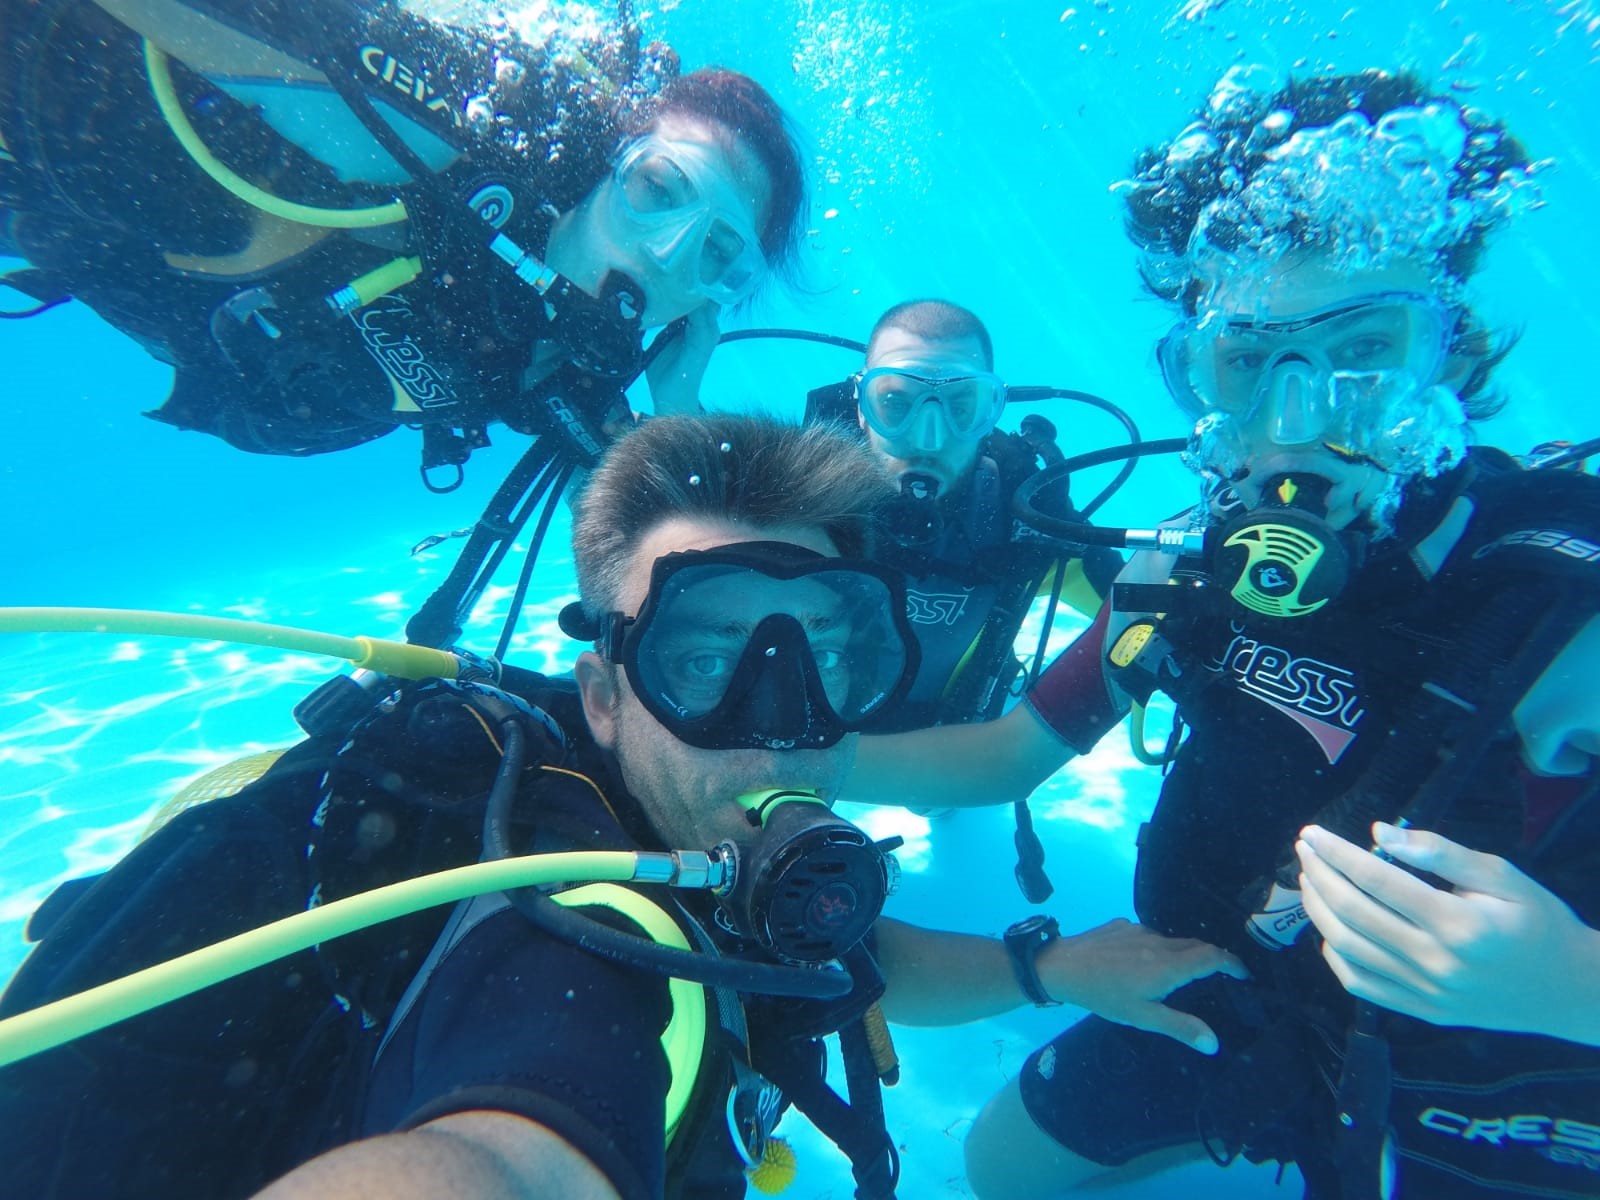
(930, 403)
(1341, 375)
(687, 217)
(765, 645)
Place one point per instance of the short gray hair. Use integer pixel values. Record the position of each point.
(754, 470)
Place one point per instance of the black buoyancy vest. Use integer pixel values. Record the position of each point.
(1284, 718)
(218, 1093)
(969, 593)
(1285, 715)
(102, 207)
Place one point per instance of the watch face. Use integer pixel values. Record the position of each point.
(1029, 926)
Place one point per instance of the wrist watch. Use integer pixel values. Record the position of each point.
(1023, 942)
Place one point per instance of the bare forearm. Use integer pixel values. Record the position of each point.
(1118, 970)
(937, 978)
(474, 1155)
(957, 766)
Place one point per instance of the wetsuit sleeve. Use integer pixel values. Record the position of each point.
(512, 1021)
(1073, 697)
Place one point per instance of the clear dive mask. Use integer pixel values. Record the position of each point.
(929, 403)
(688, 217)
(1345, 375)
(765, 645)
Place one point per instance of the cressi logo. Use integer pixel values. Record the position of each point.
(1318, 696)
(1561, 1139)
(1558, 541)
(384, 331)
(382, 65)
(573, 425)
(936, 608)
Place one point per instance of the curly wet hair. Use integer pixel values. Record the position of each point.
(1168, 194)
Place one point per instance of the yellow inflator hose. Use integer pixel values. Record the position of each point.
(374, 654)
(166, 97)
(53, 1024)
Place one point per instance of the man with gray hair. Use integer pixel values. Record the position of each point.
(532, 1043)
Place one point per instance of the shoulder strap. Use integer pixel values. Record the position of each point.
(684, 1038)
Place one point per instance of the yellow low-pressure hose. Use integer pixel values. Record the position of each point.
(374, 654)
(225, 177)
(53, 1024)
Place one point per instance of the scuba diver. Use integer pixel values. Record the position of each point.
(927, 400)
(525, 1043)
(1372, 633)
(336, 219)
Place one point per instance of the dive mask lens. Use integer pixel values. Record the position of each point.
(689, 217)
(892, 400)
(1235, 365)
(770, 645)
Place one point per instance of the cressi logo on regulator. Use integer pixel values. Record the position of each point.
(1279, 562)
(1283, 558)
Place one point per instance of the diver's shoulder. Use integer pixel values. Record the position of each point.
(1538, 521)
(1503, 486)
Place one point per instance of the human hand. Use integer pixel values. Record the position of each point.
(674, 375)
(1498, 952)
(1122, 972)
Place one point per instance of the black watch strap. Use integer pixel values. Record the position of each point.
(1023, 942)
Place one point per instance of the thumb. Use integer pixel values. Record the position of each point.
(1469, 870)
(1179, 1026)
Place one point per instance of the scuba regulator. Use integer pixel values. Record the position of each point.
(1279, 558)
(805, 884)
(914, 517)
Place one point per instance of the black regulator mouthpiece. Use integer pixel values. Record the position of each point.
(914, 518)
(603, 334)
(1282, 558)
(807, 884)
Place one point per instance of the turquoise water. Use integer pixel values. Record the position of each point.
(963, 150)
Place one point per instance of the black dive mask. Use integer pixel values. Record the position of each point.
(1282, 558)
(807, 884)
(915, 518)
(603, 334)
(763, 645)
